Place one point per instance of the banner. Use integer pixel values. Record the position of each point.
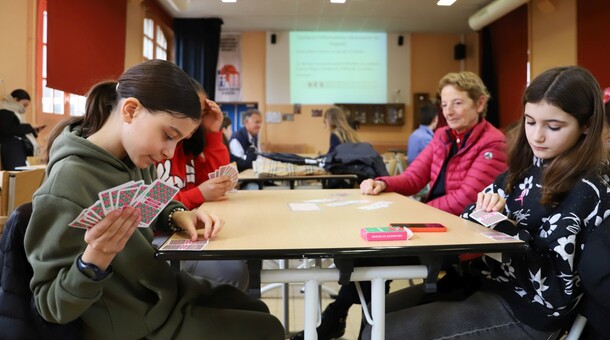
(228, 77)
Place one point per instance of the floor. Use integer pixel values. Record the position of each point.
(273, 299)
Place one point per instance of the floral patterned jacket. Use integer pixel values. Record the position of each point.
(542, 284)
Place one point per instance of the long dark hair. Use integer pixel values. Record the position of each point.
(159, 85)
(574, 90)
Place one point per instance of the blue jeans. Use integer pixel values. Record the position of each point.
(482, 315)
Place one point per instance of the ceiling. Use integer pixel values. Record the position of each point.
(393, 16)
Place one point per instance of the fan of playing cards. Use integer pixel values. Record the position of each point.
(226, 170)
(150, 199)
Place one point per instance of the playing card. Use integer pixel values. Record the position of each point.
(153, 200)
(487, 218)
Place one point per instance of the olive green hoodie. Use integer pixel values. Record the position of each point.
(143, 297)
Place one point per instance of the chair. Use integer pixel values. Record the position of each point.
(22, 185)
(19, 318)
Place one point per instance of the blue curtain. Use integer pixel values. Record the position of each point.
(197, 42)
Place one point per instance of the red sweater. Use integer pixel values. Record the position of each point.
(469, 171)
(187, 172)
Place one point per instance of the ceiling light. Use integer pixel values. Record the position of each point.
(445, 2)
(229, 0)
(337, 1)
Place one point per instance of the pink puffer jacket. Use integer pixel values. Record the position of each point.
(469, 171)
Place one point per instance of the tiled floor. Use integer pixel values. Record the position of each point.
(273, 299)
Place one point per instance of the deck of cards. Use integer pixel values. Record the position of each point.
(226, 170)
(150, 199)
(487, 218)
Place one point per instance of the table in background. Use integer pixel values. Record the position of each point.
(249, 175)
(261, 225)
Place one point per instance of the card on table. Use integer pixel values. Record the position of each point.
(487, 218)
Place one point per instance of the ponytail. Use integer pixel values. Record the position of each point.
(101, 100)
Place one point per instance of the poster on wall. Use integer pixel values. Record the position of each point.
(228, 77)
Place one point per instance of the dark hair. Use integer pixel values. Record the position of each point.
(226, 121)
(159, 85)
(574, 90)
(20, 94)
(427, 112)
(196, 143)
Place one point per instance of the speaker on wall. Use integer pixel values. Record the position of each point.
(459, 51)
(273, 38)
(401, 40)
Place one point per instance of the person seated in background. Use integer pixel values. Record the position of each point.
(195, 157)
(462, 159)
(17, 137)
(340, 130)
(244, 143)
(419, 139)
(553, 198)
(227, 130)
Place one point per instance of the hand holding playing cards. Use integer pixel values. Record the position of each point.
(215, 188)
(191, 221)
(372, 187)
(490, 202)
(109, 236)
(211, 118)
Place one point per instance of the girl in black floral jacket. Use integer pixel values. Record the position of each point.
(554, 195)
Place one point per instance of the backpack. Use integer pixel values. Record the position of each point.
(355, 158)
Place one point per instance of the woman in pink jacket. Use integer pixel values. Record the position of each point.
(461, 160)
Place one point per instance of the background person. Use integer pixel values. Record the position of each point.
(107, 276)
(340, 130)
(553, 197)
(244, 143)
(17, 137)
(419, 139)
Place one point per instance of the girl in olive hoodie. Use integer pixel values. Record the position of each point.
(108, 275)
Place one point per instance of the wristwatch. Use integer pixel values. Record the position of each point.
(92, 271)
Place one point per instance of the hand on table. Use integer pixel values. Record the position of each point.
(191, 221)
(372, 187)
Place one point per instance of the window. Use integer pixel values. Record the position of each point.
(155, 43)
(55, 101)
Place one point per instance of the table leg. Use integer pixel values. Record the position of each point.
(312, 309)
(254, 272)
(378, 308)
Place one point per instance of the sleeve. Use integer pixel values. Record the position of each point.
(479, 174)
(417, 174)
(545, 271)
(216, 155)
(10, 126)
(61, 292)
(236, 149)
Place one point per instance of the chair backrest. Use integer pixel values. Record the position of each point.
(4, 177)
(19, 318)
(22, 185)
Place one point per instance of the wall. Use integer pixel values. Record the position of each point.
(18, 41)
(552, 40)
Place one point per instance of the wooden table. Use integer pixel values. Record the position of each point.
(249, 175)
(261, 225)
